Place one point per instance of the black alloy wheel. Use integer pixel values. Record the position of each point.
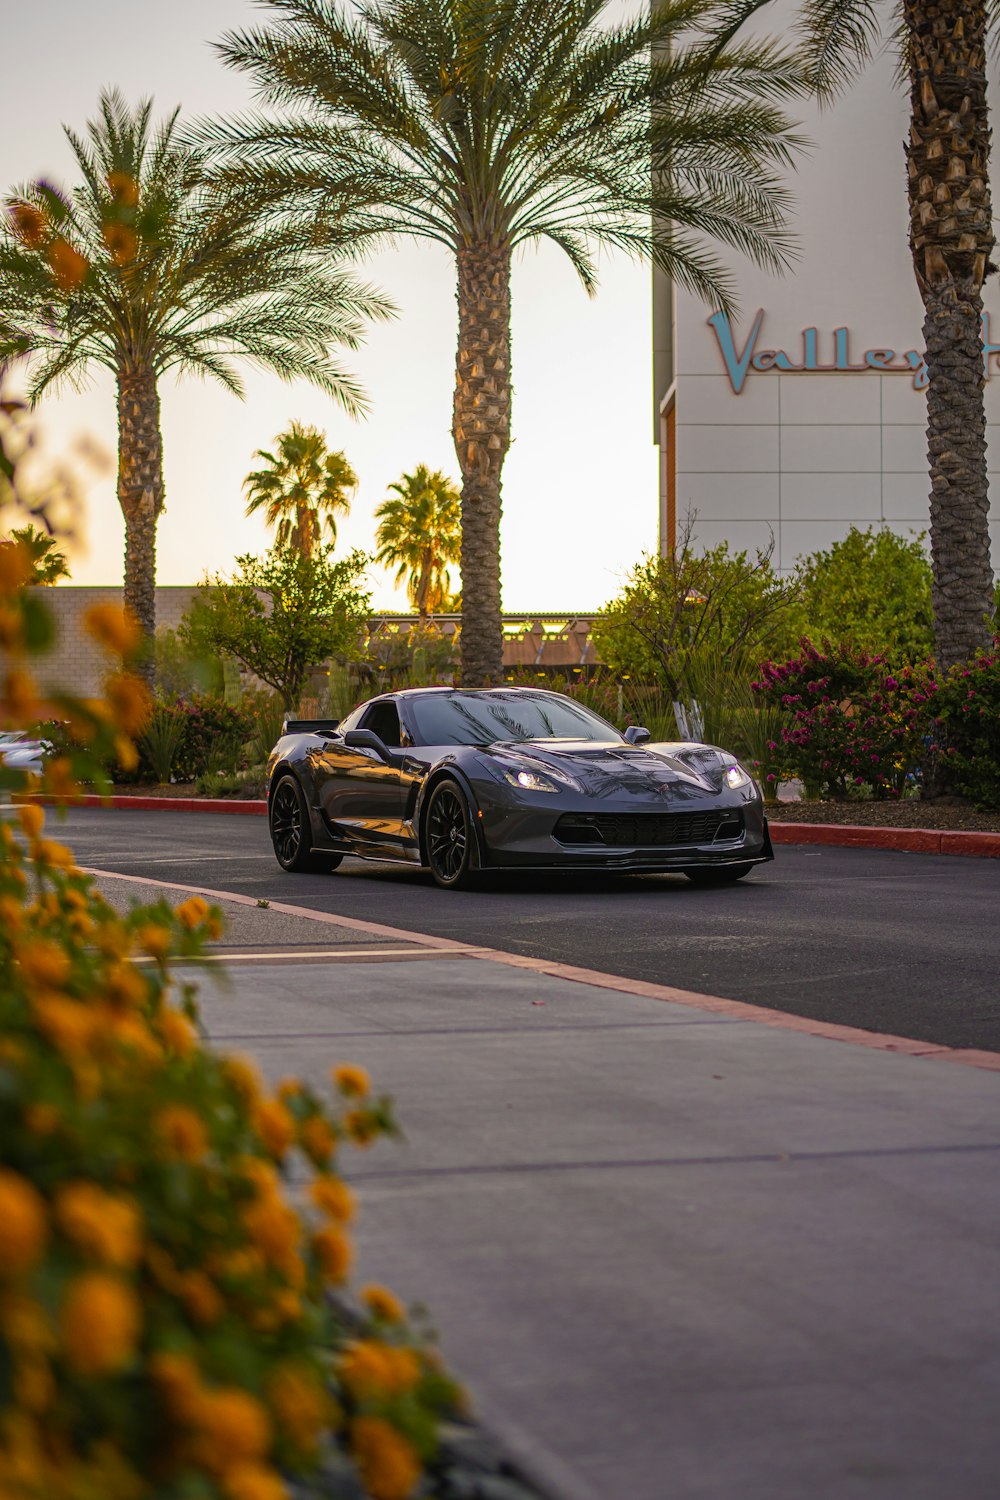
(725, 875)
(451, 838)
(288, 819)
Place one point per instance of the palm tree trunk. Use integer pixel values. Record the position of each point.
(424, 583)
(140, 495)
(951, 238)
(482, 436)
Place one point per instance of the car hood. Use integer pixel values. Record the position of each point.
(606, 770)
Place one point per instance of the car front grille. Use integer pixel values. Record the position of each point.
(649, 830)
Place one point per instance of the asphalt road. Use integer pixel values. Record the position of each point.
(902, 943)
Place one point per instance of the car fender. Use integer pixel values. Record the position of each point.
(449, 770)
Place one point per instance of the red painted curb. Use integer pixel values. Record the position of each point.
(914, 840)
(255, 808)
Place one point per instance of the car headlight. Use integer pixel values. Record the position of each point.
(530, 781)
(736, 777)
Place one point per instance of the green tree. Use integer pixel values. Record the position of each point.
(942, 60)
(420, 533)
(871, 590)
(48, 561)
(680, 613)
(281, 614)
(301, 487)
(146, 269)
(486, 125)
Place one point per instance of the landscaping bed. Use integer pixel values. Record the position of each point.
(911, 813)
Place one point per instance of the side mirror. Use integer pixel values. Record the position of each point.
(366, 739)
(636, 734)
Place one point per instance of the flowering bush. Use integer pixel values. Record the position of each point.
(850, 720)
(166, 1323)
(209, 734)
(966, 728)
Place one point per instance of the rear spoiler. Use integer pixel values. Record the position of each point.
(310, 726)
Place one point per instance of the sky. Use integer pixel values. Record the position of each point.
(580, 482)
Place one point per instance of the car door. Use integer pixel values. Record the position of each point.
(360, 793)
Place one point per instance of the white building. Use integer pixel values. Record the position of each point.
(805, 415)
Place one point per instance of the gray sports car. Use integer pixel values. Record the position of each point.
(462, 782)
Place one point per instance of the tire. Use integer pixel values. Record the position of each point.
(726, 875)
(288, 822)
(450, 838)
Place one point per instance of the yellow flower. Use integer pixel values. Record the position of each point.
(234, 1428)
(21, 694)
(243, 1075)
(182, 1133)
(58, 778)
(361, 1126)
(67, 1024)
(113, 628)
(43, 963)
(368, 1368)
(11, 626)
(299, 1402)
(100, 1323)
(129, 700)
(389, 1465)
(43, 1119)
(153, 940)
(122, 242)
(192, 912)
(23, 1226)
(31, 818)
(177, 1032)
(99, 1224)
(334, 1198)
(68, 266)
(274, 1125)
(383, 1304)
(179, 1382)
(274, 1228)
(201, 1298)
(49, 852)
(253, 1482)
(15, 564)
(125, 752)
(318, 1139)
(333, 1251)
(123, 188)
(124, 985)
(351, 1080)
(11, 914)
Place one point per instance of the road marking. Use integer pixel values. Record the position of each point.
(714, 1004)
(294, 955)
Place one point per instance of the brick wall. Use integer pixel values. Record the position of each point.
(75, 663)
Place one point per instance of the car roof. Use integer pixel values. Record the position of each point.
(501, 687)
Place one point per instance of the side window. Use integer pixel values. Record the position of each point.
(383, 719)
(351, 720)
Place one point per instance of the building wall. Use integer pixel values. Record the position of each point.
(801, 456)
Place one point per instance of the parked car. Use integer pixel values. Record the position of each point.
(462, 782)
(20, 751)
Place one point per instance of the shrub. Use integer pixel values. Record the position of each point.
(873, 589)
(167, 1321)
(849, 719)
(967, 728)
(213, 735)
(159, 742)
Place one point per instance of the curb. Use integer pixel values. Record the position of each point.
(839, 835)
(913, 840)
(736, 1010)
(256, 808)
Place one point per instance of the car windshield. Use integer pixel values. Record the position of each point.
(485, 718)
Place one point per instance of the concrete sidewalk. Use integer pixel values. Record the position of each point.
(675, 1255)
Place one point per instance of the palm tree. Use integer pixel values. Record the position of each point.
(943, 52)
(485, 125)
(420, 533)
(301, 488)
(145, 269)
(48, 562)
